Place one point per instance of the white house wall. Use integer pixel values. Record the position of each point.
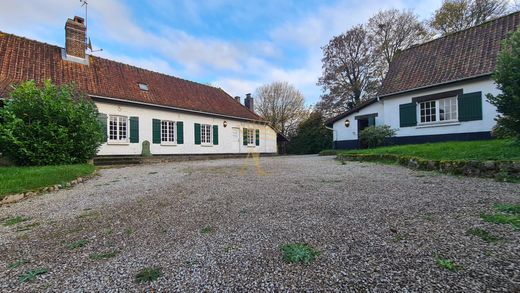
(391, 105)
(388, 113)
(350, 133)
(227, 143)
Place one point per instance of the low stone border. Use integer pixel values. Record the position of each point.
(13, 198)
(487, 169)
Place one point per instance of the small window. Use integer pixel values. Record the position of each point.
(250, 137)
(167, 131)
(205, 134)
(118, 128)
(439, 110)
(143, 86)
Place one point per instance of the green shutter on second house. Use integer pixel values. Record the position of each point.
(215, 134)
(257, 137)
(244, 136)
(180, 132)
(134, 129)
(102, 118)
(197, 133)
(407, 115)
(470, 106)
(156, 131)
(372, 121)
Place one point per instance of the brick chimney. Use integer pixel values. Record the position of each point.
(237, 98)
(248, 102)
(75, 32)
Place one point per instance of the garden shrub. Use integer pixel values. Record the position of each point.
(374, 136)
(311, 137)
(506, 76)
(49, 125)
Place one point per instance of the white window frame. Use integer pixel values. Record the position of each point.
(170, 131)
(120, 139)
(251, 138)
(206, 134)
(453, 107)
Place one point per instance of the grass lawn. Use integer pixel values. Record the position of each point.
(497, 149)
(20, 179)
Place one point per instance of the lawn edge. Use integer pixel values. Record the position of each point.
(503, 170)
(17, 197)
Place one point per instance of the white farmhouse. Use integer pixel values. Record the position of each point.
(435, 91)
(139, 107)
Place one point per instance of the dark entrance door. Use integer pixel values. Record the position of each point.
(363, 123)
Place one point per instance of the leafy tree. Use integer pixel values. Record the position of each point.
(456, 15)
(392, 31)
(281, 104)
(507, 75)
(49, 125)
(349, 74)
(312, 136)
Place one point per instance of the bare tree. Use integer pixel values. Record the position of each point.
(282, 105)
(392, 31)
(349, 74)
(456, 15)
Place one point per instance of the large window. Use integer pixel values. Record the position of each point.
(438, 110)
(167, 131)
(118, 128)
(250, 137)
(205, 134)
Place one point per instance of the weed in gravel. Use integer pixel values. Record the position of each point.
(208, 229)
(513, 220)
(483, 234)
(104, 255)
(299, 253)
(148, 275)
(448, 264)
(508, 208)
(108, 231)
(77, 244)
(31, 275)
(89, 214)
(151, 173)
(243, 211)
(27, 227)
(17, 264)
(15, 220)
(398, 237)
(129, 231)
(428, 217)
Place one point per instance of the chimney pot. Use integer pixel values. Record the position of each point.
(249, 103)
(237, 98)
(75, 32)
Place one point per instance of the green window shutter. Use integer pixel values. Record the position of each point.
(102, 118)
(407, 115)
(244, 136)
(134, 129)
(257, 137)
(215, 134)
(197, 133)
(180, 132)
(470, 106)
(372, 121)
(156, 131)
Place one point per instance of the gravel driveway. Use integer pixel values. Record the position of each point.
(218, 225)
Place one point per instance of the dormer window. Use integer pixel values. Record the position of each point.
(143, 86)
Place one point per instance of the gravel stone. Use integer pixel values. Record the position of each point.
(378, 228)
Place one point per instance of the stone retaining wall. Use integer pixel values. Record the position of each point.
(488, 169)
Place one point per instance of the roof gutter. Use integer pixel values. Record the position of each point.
(435, 85)
(175, 108)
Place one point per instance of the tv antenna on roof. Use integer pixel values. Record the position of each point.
(87, 39)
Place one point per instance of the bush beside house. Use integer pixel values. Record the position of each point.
(311, 136)
(507, 75)
(49, 125)
(374, 136)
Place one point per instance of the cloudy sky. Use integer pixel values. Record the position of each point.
(235, 45)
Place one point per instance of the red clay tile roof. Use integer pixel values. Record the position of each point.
(462, 55)
(22, 59)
